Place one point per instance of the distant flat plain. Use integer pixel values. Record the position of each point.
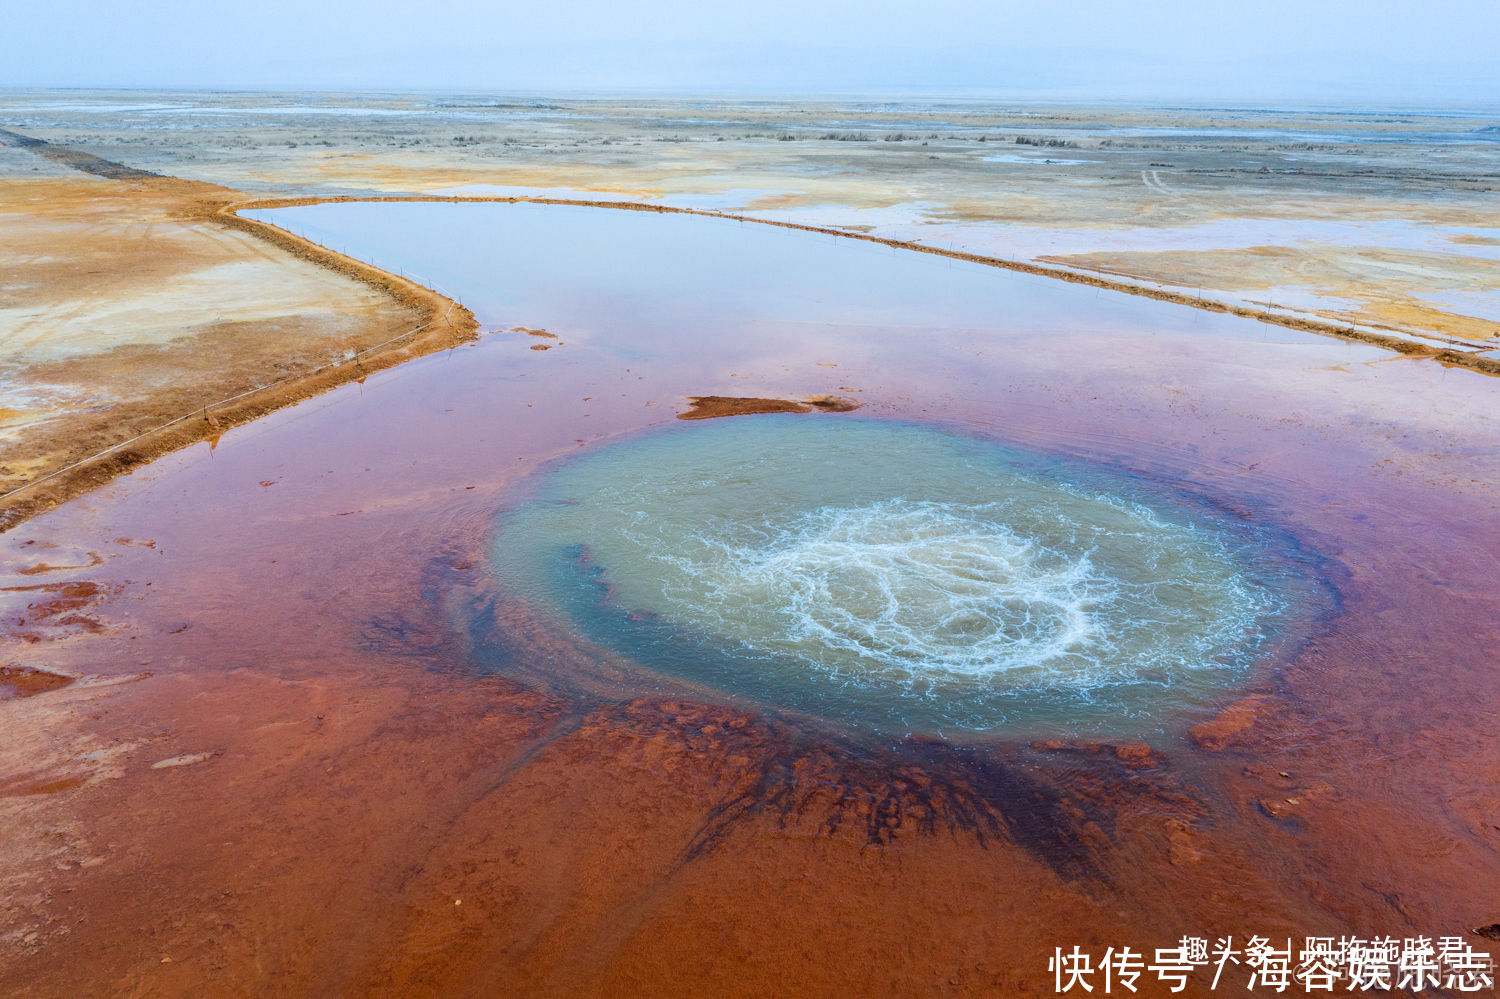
(111, 289)
(1378, 215)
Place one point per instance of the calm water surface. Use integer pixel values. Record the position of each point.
(866, 571)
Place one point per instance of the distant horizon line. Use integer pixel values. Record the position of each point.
(1226, 102)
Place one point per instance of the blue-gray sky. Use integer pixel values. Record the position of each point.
(1386, 50)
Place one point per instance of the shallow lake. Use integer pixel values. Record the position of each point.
(1095, 613)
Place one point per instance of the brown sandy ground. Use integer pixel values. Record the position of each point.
(924, 170)
(127, 304)
(708, 407)
(1381, 287)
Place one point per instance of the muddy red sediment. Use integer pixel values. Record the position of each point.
(24, 681)
(710, 407)
(407, 782)
(1234, 720)
(832, 404)
(677, 821)
(45, 611)
(43, 567)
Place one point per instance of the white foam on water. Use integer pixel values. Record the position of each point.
(890, 572)
(929, 595)
(903, 586)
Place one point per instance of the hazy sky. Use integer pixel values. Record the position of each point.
(1390, 50)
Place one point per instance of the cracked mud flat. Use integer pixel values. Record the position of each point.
(311, 747)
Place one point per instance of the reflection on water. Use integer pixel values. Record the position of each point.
(897, 576)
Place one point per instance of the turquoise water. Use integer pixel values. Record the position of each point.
(897, 577)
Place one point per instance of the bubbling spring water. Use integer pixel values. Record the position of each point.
(898, 577)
